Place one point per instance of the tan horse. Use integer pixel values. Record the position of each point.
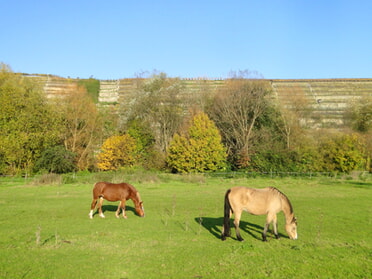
(116, 192)
(268, 201)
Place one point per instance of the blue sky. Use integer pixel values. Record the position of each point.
(121, 39)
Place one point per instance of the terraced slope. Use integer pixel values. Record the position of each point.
(325, 99)
(108, 91)
(55, 86)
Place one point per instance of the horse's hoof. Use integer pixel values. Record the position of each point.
(125, 217)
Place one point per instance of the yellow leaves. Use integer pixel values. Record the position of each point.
(199, 149)
(116, 152)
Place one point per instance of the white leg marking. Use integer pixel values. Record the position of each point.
(91, 214)
(124, 215)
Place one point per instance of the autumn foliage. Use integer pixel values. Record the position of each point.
(198, 148)
(117, 152)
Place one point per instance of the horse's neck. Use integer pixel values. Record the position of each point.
(286, 208)
(135, 198)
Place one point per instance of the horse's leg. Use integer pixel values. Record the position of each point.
(100, 208)
(92, 206)
(236, 223)
(123, 208)
(118, 210)
(275, 226)
(269, 219)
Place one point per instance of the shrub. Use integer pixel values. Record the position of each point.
(198, 149)
(285, 161)
(342, 154)
(117, 152)
(56, 160)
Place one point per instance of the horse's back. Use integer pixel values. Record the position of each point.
(112, 191)
(254, 201)
(98, 188)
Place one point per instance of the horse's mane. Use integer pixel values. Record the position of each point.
(138, 196)
(284, 197)
(135, 192)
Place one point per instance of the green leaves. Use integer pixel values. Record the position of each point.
(27, 123)
(57, 160)
(343, 154)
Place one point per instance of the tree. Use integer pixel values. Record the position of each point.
(117, 152)
(82, 124)
(359, 114)
(160, 106)
(27, 122)
(235, 110)
(293, 110)
(198, 149)
(359, 117)
(148, 155)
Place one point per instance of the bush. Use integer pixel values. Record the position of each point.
(342, 154)
(56, 160)
(285, 161)
(117, 152)
(199, 149)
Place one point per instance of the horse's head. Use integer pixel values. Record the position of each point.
(291, 228)
(140, 210)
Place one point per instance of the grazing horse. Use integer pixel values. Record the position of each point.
(267, 201)
(116, 192)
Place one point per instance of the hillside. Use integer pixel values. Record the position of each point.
(326, 99)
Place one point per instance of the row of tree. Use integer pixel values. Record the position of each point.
(241, 126)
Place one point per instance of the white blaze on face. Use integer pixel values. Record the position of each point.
(295, 236)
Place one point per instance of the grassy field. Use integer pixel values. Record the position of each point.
(46, 232)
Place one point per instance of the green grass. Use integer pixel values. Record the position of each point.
(46, 233)
(92, 87)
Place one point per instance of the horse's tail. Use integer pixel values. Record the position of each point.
(226, 218)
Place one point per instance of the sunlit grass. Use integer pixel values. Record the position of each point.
(46, 232)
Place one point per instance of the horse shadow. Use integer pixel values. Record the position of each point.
(113, 208)
(214, 226)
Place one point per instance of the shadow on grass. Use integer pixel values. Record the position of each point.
(359, 184)
(214, 226)
(113, 208)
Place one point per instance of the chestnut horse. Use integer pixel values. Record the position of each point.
(267, 201)
(116, 192)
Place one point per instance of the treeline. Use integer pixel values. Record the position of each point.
(239, 127)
